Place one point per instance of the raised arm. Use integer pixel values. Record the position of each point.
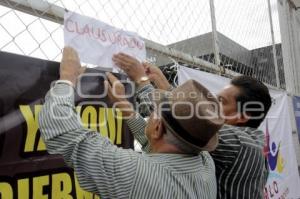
(135, 121)
(142, 74)
(100, 166)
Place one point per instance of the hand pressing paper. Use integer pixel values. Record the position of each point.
(96, 42)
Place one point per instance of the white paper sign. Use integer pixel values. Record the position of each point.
(96, 42)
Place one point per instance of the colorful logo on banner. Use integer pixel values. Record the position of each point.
(273, 153)
(296, 102)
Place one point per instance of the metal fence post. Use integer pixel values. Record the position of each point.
(273, 45)
(290, 46)
(214, 33)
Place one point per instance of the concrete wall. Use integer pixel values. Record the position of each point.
(202, 45)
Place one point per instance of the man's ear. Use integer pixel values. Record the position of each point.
(243, 118)
(159, 129)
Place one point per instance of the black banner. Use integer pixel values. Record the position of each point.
(26, 170)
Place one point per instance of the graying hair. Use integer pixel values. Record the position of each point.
(171, 139)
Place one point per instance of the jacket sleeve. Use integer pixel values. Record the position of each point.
(143, 101)
(137, 126)
(100, 166)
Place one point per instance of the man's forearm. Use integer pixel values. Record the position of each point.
(162, 83)
(94, 158)
(58, 115)
(143, 101)
(61, 129)
(137, 126)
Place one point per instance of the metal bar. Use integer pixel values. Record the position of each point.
(286, 47)
(289, 54)
(215, 40)
(273, 46)
(296, 50)
(38, 8)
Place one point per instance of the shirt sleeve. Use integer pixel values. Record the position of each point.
(137, 126)
(143, 101)
(228, 147)
(144, 107)
(100, 166)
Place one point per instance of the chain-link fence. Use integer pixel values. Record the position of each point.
(225, 37)
(249, 26)
(175, 31)
(29, 35)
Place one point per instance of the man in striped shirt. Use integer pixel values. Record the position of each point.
(241, 168)
(175, 167)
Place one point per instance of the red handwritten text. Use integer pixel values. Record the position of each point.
(115, 38)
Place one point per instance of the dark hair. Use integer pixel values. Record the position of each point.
(252, 90)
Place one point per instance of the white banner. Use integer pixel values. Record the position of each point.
(96, 42)
(283, 181)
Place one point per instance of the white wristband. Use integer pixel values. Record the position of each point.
(65, 82)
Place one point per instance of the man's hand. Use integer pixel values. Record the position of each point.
(156, 76)
(131, 66)
(70, 67)
(116, 93)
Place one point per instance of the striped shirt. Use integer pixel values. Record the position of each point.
(240, 164)
(113, 172)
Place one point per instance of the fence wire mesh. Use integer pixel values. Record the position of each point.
(243, 31)
(245, 39)
(242, 28)
(28, 35)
